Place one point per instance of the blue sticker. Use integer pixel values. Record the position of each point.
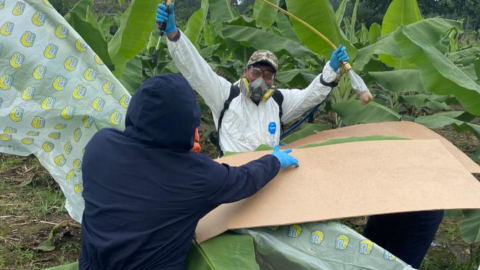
(272, 127)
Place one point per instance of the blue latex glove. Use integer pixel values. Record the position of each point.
(285, 159)
(338, 56)
(169, 18)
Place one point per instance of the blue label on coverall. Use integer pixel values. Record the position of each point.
(272, 127)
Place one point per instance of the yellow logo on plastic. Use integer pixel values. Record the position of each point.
(39, 72)
(342, 242)
(28, 93)
(48, 103)
(108, 87)
(78, 188)
(59, 83)
(55, 135)
(28, 141)
(366, 247)
(124, 101)
(98, 104)
(6, 137)
(90, 74)
(7, 28)
(28, 39)
(50, 51)
(80, 45)
(10, 130)
(77, 165)
(71, 175)
(77, 134)
(88, 121)
(16, 114)
(79, 92)
(317, 237)
(71, 63)
(38, 122)
(98, 60)
(60, 126)
(294, 231)
(61, 31)
(6, 82)
(388, 256)
(18, 9)
(33, 133)
(39, 18)
(68, 148)
(60, 160)
(68, 112)
(48, 146)
(46, 3)
(115, 118)
(17, 60)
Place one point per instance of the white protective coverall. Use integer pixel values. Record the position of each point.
(245, 126)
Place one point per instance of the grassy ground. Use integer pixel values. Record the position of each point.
(31, 204)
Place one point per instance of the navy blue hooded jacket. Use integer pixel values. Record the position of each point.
(145, 191)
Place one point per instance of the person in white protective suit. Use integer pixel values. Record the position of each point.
(254, 116)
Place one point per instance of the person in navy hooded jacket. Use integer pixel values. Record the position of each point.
(145, 191)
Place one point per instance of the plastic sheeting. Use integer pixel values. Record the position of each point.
(319, 246)
(55, 93)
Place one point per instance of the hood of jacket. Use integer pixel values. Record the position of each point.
(164, 112)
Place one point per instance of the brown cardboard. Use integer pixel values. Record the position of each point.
(348, 180)
(409, 130)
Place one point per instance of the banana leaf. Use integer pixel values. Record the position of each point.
(353, 22)
(341, 12)
(354, 112)
(80, 9)
(265, 15)
(196, 23)
(295, 78)
(399, 81)
(224, 252)
(374, 32)
(439, 75)
(133, 34)
(307, 129)
(470, 226)
(285, 27)
(220, 11)
(399, 13)
(354, 139)
(319, 14)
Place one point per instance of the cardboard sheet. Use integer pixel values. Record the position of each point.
(404, 129)
(348, 180)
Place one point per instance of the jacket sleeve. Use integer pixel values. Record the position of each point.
(230, 184)
(296, 102)
(213, 88)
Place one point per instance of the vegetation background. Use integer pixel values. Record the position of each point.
(36, 232)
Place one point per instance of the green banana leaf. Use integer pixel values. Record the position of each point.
(93, 37)
(477, 67)
(354, 112)
(354, 139)
(80, 9)
(319, 14)
(132, 75)
(196, 22)
(470, 226)
(353, 39)
(341, 12)
(374, 33)
(265, 15)
(385, 45)
(130, 39)
(220, 12)
(285, 27)
(439, 75)
(307, 129)
(295, 78)
(224, 252)
(464, 57)
(72, 266)
(399, 13)
(399, 81)
(449, 118)
(260, 39)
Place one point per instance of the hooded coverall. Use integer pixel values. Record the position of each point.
(145, 191)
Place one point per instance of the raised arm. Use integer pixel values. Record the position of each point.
(297, 102)
(213, 88)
